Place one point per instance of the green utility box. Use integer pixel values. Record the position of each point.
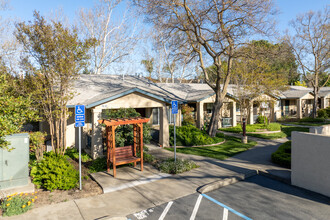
(14, 170)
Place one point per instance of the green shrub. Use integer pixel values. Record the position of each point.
(322, 113)
(262, 119)
(309, 119)
(55, 172)
(189, 135)
(274, 127)
(99, 164)
(328, 111)
(124, 133)
(74, 154)
(282, 156)
(148, 158)
(180, 166)
(17, 204)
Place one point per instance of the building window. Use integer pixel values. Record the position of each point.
(170, 116)
(209, 107)
(155, 116)
(238, 107)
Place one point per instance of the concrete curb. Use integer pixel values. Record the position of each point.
(225, 182)
(272, 176)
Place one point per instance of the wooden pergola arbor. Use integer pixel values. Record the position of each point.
(127, 154)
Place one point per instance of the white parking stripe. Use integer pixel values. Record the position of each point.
(225, 214)
(166, 210)
(198, 202)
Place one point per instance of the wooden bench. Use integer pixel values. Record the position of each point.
(127, 154)
(124, 155)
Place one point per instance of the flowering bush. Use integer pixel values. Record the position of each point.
(17, 204)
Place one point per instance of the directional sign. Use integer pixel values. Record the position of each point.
(174, 107)
(80, 116)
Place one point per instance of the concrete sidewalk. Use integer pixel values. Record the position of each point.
(129, 200)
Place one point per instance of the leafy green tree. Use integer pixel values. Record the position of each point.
(124, 133)
(54, 58)
(280, 57)
(257, 73)
(15, 109)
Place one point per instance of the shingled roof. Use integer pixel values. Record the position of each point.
(92, 90)
(324, 91)
(295, 92)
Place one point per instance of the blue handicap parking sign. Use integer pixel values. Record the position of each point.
(174, 107)
(80, 110)
(79, 116)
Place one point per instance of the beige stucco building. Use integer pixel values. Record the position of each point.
(153, 100)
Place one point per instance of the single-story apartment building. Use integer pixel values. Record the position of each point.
(153, 100)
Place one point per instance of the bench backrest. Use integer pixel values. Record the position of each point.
(123, 152)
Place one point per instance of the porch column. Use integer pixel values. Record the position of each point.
(200, 114)
(251, 121)
(323, 104)
(233, 114)
(178, 118)
(97, 148)
(299, 109)
(164, 137)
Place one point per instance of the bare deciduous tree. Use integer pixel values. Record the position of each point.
(116, 35)
(311, 45)
(213, 29)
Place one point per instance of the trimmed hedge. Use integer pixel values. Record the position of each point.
(312, 120)
(189, 135)
(180, 166)
(282, 156)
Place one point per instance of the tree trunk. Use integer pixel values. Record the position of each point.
(213, 127)
(316, 95)
(64, 130)
(57, 132)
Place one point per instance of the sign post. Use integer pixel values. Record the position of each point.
(174, 112)
(79, 122)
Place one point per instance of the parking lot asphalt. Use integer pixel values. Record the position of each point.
(257, 197)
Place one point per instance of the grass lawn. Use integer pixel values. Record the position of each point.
(231, 147)
(285, 131)
(253, 128)
(308, 123)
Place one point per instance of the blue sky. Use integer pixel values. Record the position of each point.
(23, 9)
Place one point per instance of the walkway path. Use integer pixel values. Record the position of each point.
(140, 197)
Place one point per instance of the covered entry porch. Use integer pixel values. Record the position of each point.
(150, 107)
